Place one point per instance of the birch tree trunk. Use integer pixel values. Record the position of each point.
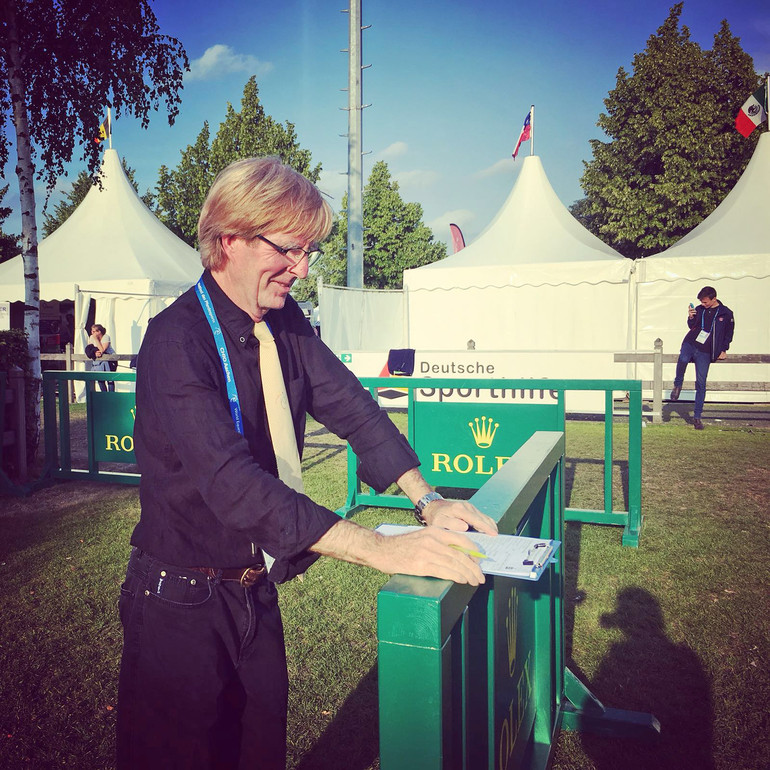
(25, 172)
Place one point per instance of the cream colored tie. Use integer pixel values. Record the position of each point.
(278, 411)
(278, 415)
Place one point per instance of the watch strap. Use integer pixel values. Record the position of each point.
(422, 503)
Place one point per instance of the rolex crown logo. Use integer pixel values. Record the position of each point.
(483, 431)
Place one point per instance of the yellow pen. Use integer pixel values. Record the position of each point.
(477, 554)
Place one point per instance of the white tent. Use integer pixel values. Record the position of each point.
(112, 250)
(729, 250)
(535, 279)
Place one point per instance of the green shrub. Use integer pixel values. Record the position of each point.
(13, 350)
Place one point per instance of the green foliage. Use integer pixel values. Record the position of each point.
(78, 191)
(13, 350)
(9, 244)
(673, 152)
(395, 239)
(245, 134)
(77, 59)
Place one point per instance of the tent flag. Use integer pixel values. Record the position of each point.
(105, 130)
(753, 112)
(526, 131)
(458, 241)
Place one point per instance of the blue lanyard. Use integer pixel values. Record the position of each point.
(224, 357)
(713, 320)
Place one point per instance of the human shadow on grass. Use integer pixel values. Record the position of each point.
(682, 410)
(649, 673)
(351, 741)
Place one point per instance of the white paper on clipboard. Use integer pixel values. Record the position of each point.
(525, 558)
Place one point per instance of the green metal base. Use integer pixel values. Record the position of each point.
(86, 475)
(623, 519)
(631, 536)
(584, 712)
(616, 723)
(357, 502)
(587, 516)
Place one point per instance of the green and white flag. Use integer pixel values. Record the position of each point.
(753, 112)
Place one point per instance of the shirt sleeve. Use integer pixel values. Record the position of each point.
(729, 331)
(182, 410)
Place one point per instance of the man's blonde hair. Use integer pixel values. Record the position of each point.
(255, 196)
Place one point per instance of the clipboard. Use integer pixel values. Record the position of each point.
(524, 558)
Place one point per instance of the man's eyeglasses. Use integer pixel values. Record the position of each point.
(295, 254)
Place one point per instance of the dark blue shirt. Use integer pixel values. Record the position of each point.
(719, 322)
(211, 497)
(703, 317)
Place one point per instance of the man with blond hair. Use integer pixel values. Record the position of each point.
(203, 680)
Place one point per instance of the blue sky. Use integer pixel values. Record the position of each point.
(450, 84)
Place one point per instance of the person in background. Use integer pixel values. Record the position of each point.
(711, 331)
(103, 346)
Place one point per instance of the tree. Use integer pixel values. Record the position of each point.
(245, 134)
(395, 238)
(61, 63)
(673, 152)
(78, 191)
(180, 192)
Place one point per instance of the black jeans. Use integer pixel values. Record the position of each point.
(203, 680)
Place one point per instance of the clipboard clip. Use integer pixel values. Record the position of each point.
(538, 555)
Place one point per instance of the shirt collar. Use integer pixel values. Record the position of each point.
(237, 322)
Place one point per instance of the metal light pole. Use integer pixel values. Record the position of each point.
(355, 170)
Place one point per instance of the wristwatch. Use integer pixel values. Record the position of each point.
(421, 503)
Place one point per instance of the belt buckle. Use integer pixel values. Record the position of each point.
(251, 575)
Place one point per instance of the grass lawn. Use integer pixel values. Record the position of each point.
(678, 627)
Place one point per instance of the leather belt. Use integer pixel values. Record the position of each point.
(245, 576)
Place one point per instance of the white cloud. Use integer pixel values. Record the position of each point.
(416, 179)
(395, 150)
(504, 166)
(220, 60)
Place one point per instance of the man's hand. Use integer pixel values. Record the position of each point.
(722, 356)
(425, 552)
(458, 515)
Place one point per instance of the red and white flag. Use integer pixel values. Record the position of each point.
(753, 112)
(526, 132)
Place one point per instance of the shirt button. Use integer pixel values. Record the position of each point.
(243, 339)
